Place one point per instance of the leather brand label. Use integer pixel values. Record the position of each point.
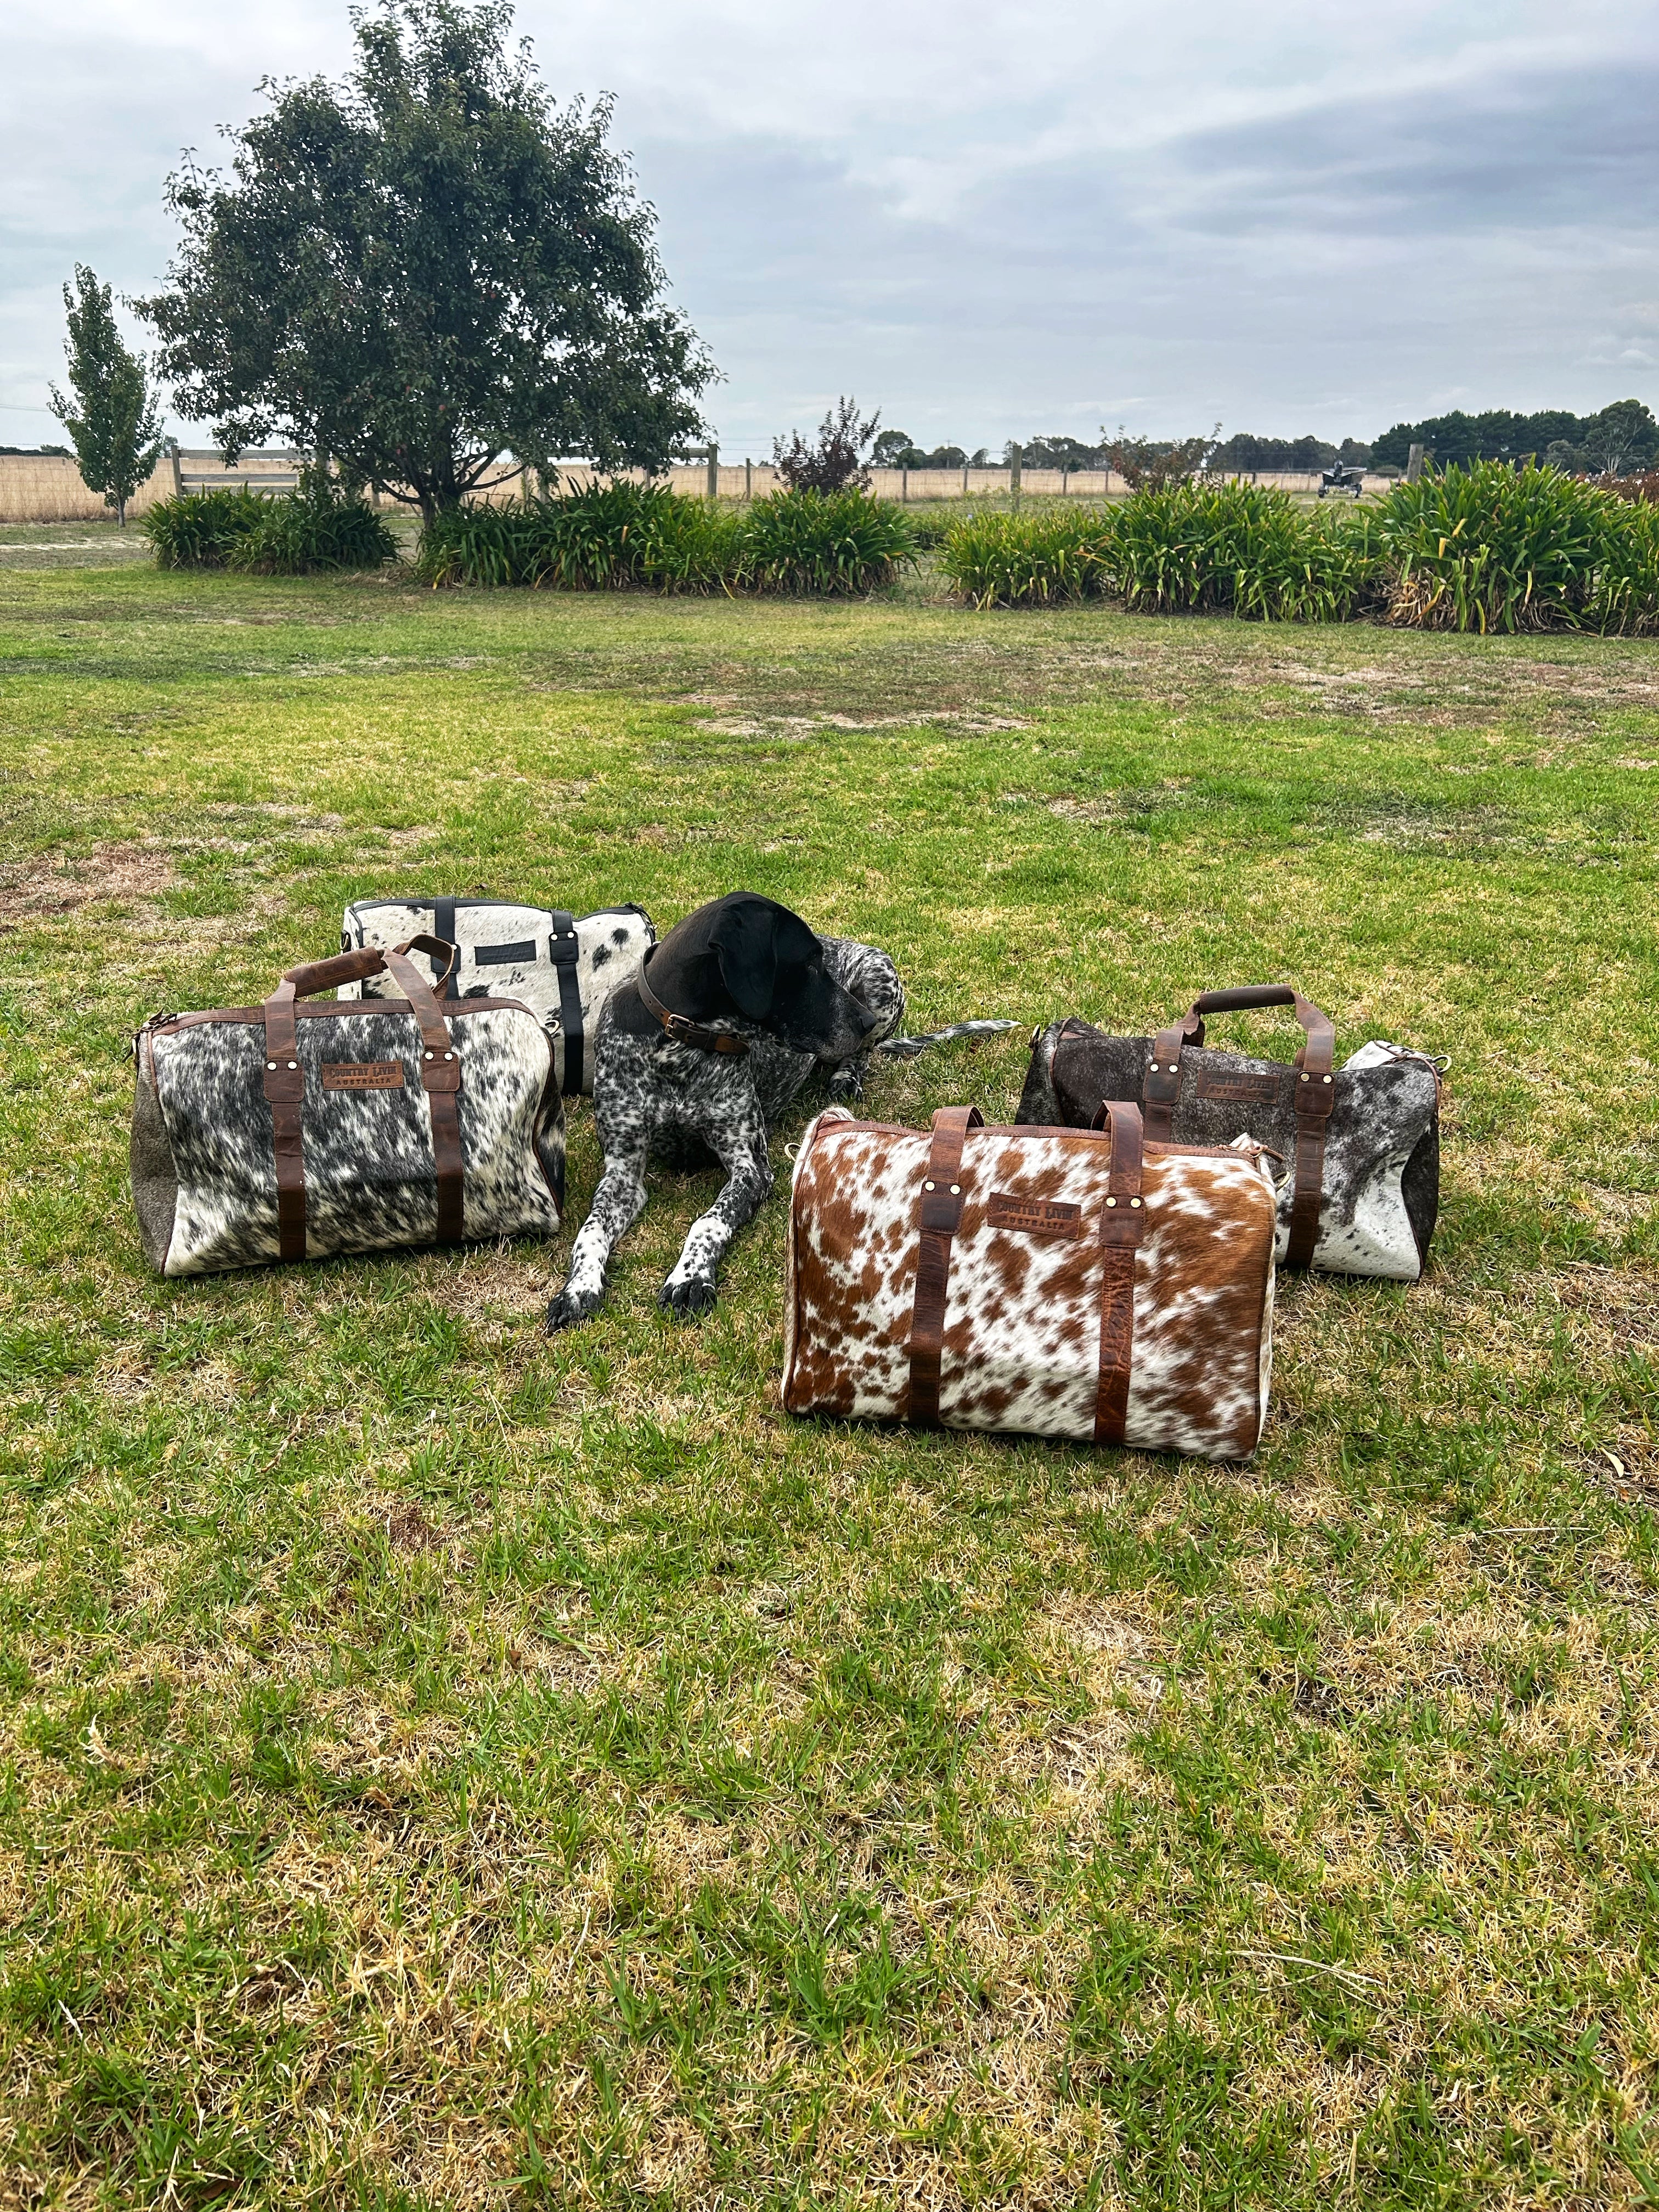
(362, 1075)
(1033, 1217)
(1238, 1089)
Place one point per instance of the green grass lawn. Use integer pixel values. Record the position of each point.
(442, 1767)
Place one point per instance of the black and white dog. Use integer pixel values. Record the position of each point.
(731, 1014)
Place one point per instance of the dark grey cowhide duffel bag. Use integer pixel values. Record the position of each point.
(558, 963)
(1360, 1143)
(293, 1130)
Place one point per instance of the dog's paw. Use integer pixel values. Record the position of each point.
(570, 1308)
(687, 1296)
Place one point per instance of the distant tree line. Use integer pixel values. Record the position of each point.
(1621, 440)
(898, 449)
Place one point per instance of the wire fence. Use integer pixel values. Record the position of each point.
(42, 487)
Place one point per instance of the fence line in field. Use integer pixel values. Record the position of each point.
(42, 487)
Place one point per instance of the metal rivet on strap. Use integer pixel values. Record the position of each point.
(1111, 1201)
(955, 1190)
(1134, 1201)
(1324, 1078)
(449, 1055)
(1307, 1078)
(430, 1055)
(294, 1063)
(929, 1186)
(271, 1065)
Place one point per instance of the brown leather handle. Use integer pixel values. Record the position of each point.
(1318, 1053)
(940, 1215)
(311, 976)
(284, 1084)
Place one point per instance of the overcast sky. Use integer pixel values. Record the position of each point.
(992, 220)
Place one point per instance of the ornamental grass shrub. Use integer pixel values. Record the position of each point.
(1484, 548)
(820, 544)
(1239, 548)
(620, 536)
(1490, 548)
(1043, 557)
(318, 527)
(197, 528)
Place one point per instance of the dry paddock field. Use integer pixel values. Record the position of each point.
(441, 1767)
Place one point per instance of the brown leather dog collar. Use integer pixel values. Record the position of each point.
(682, 1030)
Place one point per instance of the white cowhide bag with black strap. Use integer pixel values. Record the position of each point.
(1360, 1143)
(298, 1129)
(561, 966)
(1052, 1282)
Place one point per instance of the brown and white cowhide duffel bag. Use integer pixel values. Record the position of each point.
(1048, 1282)
(293, 1131)
(1361, 1143)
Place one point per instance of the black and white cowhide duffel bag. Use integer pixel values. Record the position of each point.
(1361, 1143)
(556, 964)
(293, 1131)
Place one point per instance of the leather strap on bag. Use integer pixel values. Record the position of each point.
(940, 1212)
(1315, 1093)
(1122, 1226)
(443, 928)
(561, 951)
(285, 1085)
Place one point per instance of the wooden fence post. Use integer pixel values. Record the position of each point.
(178, 473)
(1414, 463)
(965, 479)
(714, 470)
(904, 484)
(1014, 458)
(748, 477)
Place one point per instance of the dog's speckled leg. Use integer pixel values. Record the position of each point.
(617, 1204)
(623, 1117)
(741, 1146)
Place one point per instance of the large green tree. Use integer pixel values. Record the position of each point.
(426, 268)
(112, 415)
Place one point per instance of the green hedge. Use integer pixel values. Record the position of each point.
(1479, 549)
(317, 527)
(620, 536)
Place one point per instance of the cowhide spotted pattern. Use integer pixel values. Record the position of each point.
(202, 1127)
(1022, 1324)
(1382, 1173)
(610, 948)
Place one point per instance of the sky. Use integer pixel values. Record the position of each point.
(989, 220)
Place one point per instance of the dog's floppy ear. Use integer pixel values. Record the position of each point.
(751, 937)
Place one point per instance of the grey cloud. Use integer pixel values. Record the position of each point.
(986, 264)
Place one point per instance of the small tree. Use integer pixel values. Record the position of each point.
(1148, 464)
(837, 461)
(112, 416)
(1621, 440)
(426, 269)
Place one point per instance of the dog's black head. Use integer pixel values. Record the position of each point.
(746, 958)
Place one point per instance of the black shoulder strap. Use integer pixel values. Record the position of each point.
(561, 949)
(443, 925)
